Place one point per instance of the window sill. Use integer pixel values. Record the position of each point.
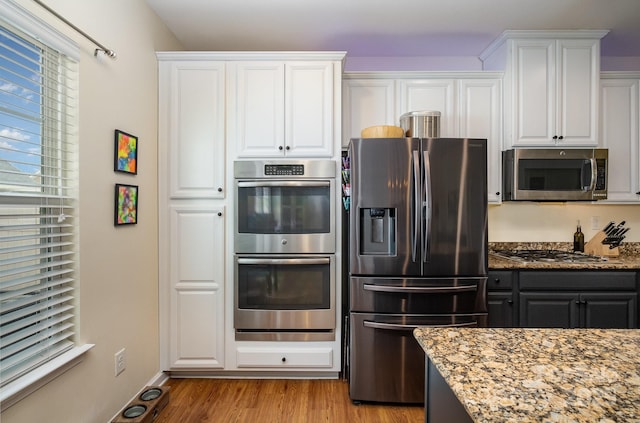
(36, 379)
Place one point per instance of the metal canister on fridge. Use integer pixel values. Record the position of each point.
(422, 124)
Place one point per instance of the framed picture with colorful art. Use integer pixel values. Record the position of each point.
(126, 201)
(126, 153)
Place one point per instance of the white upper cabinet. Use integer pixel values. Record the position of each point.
(282, 109)
(480, 116)
(429, 95)
(366, 102)
(192, 128)
(620, 118)
(551, 92)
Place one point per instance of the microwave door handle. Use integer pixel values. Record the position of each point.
(427, 208)
(395, 326)
(594, 174)
(415, 210)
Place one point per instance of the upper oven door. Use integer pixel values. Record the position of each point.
(285, 216)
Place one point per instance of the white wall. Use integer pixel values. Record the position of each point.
(556, 222)
(118, 276)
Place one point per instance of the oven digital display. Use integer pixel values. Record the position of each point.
(282, 169)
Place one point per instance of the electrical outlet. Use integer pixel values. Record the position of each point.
(120, 361)
(595, 222)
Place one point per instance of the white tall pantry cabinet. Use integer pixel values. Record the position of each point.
(214, 108)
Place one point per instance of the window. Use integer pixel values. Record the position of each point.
(38, 195)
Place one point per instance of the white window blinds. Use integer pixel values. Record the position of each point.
(38, 191)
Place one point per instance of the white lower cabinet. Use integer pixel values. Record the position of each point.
(284, 357)
(196, 288)
(620, 118)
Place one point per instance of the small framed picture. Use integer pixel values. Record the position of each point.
(126, 201)
(126, 153)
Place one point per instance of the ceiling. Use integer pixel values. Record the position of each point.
(378, 28)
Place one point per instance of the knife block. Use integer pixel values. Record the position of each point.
(595, 247)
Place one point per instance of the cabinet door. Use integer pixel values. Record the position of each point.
(610, 310)
(192, 147)
(619, 133)
(480, 116)
(501, 309)
(365, 103)
(578, 91)
(429, 95)
(257, 98)
(549, 310)
(309, 109)
(555, 85)
(196, 299)
(533, 116)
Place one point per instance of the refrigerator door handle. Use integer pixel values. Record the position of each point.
(420, 289)
(394, 326)
(415, 210)
(427, 208)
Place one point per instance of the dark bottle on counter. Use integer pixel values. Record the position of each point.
(578, 239)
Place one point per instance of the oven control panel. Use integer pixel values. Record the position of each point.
(283, 169)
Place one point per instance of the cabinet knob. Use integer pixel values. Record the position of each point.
(219, 213)
(498, 193)
(288, 148)
(219, 189)
(555, 137)
(497, 280)
(284, 359)
(638, 193)
(560, 137)
(509, 301)
(280, 148)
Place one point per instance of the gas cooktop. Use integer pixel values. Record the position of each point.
(549, 256)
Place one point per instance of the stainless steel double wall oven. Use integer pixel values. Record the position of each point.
(285, 244)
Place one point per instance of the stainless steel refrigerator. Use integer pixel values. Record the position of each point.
(417, 255)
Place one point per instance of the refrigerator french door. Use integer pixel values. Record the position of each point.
(418, 255)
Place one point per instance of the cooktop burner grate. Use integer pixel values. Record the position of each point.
(552, 256)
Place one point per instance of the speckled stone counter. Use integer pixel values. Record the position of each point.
(629, 257)
(539, 375)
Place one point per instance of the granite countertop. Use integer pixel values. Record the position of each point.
(539, 375)
(629, 257)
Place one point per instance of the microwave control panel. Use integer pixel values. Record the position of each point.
(284, 169)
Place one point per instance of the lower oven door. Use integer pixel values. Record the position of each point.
(284, 293)
(386, 362)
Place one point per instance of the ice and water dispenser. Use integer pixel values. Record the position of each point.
(378, 231)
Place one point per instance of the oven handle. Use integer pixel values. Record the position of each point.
(254, 184)
(395, 326)
(285, 261)
(420, 289)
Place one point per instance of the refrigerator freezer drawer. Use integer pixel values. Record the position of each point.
(418, 295)
(387, 364)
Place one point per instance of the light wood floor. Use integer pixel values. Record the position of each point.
(265, 401)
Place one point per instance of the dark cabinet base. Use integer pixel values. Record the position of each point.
(441, 404)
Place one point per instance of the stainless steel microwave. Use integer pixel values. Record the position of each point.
(554, 174)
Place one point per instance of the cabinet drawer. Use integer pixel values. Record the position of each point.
(577, 280)
(499, 279)
(284, 357)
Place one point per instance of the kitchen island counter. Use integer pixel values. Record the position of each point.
(536, 375)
